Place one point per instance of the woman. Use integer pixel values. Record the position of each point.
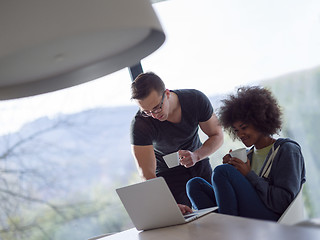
(264, 186)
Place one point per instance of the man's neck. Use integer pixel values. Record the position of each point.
(175, 109)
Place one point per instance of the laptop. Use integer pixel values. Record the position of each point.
(150, 204)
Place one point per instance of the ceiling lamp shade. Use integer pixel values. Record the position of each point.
(47, 45)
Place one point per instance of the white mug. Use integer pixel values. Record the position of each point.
(172, 159)
(240, 153)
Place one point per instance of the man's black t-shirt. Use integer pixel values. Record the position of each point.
(167, 137)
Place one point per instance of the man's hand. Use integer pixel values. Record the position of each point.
(187, 158)
(214, 132)
(184, 209)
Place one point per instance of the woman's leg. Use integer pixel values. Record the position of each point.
(236, 196)
(200, 193)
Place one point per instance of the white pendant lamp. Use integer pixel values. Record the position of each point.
(47, 45)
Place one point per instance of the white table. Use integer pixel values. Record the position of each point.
(222, 227)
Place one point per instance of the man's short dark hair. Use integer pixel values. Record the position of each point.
(144, 84)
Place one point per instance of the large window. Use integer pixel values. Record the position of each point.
(217, 46)
(63, 154)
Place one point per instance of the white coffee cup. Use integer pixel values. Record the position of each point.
(172, 159)
(240, 153)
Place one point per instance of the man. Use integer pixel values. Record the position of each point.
(167, 122)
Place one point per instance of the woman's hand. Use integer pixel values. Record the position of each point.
(226, 158)
(184, 209)
(243, 168)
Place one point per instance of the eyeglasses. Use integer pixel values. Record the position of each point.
(156, 110)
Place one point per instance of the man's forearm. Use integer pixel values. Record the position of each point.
(211, 145)
(145, 161)
(145, 175)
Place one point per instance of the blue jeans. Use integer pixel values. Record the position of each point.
(231, 192)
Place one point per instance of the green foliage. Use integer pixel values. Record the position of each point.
(84, 216)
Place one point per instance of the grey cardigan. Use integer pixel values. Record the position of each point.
(281, 176)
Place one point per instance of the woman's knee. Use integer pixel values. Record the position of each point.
(194, 183)
(223, 170)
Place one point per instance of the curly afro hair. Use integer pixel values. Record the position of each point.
(251, 105)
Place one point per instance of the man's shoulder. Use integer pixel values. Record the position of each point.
(188, 92)
(191, 96)
(139, 119)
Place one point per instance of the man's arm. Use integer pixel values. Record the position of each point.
(146, 164)
(145, 160)
(213, 130)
